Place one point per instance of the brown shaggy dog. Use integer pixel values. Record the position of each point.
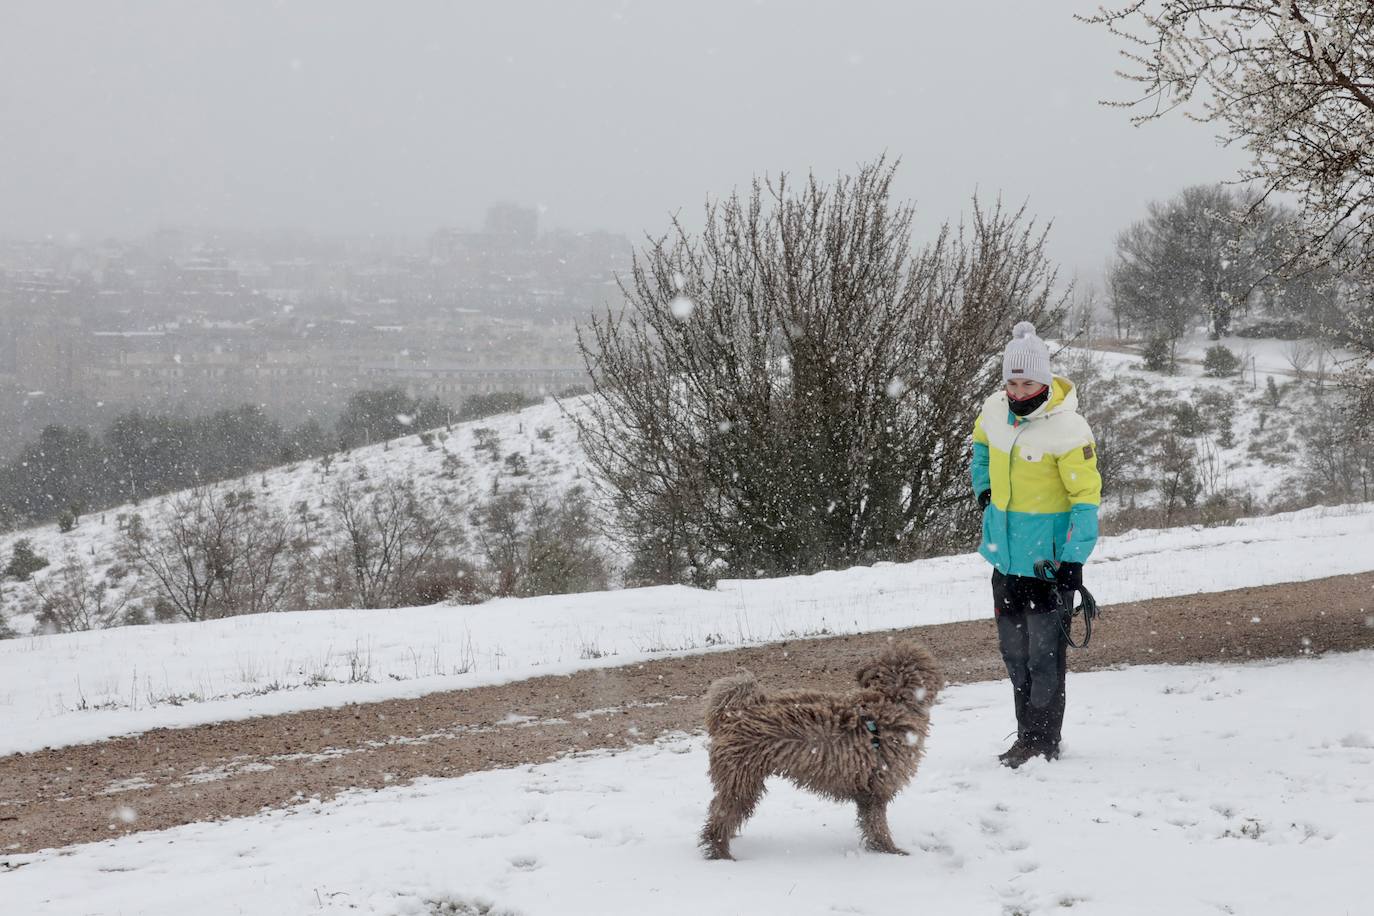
(862, 746)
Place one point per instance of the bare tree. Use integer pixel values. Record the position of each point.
(213, 553)
(1178, 483)
(792, 389)
(1293, 82)
(1300, 354)
(533, 545)
(72, 598)
(388, 536)
(1202, 254)
(1338, 458)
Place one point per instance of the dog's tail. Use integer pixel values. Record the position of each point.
(730, 693)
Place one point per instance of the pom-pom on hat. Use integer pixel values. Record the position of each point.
(1026, 356)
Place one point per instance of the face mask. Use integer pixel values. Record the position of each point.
(1030, 404)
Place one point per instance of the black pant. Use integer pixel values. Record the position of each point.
(1032, 633)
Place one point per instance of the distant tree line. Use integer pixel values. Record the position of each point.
(1212, 254)
(68, 471)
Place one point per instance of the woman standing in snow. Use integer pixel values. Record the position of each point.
(1035, 475)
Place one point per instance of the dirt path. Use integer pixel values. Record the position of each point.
(169, 777)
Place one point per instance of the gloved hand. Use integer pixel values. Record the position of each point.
(1069, 575)
(984, 498)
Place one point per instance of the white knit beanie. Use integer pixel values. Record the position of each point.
(1026, 356)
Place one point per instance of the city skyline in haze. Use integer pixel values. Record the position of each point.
(350, 118)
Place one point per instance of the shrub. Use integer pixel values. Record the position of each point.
(1220, 362)
(533, 546)
(1273, 393)
(1159, 355)
(1281, 328)
(447, 579)
(487, 440)
(1188, 422)
(452, 466)
(73, 599)
(486, 405)
(1218, 411)
(387, 540)
(24, 560)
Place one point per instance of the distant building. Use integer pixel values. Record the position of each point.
(512, 223)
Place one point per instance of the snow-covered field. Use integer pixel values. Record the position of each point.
(1183, 790)
(74, 688)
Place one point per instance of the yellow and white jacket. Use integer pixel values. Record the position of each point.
(1042, 472)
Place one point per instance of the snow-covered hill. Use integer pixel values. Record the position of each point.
(1241, 443)
(460, 468)
(1245, 449)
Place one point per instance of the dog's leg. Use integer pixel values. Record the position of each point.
(734, 802)
(873, 824)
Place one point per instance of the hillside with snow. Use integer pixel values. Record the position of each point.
(1241, 446)
(454, 469)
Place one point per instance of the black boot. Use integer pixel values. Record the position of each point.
(1024, 732)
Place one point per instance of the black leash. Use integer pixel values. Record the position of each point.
(1045, 571)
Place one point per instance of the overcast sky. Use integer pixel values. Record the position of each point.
(349, 117)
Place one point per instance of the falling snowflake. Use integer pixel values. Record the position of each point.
(682, 308)
(897, 387)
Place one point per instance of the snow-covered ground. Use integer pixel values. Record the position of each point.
(68, 689)
(1201, 789)
(1269, 356)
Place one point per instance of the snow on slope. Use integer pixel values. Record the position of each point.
(1259, 464)
(1200, 789)
(1264, 461)
(67, 689)
(542, 434)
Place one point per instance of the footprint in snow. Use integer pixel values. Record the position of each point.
(524, 863)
